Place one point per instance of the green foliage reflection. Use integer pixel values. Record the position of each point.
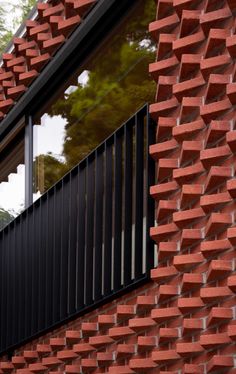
(117, 85)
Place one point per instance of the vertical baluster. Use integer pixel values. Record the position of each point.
(72, 245)
(89, 256)
(139, 163)
(80, 261)
(64, 245)
(49, 262)
(117, 214)
(108, 216)
(128, 202)
(98, 239)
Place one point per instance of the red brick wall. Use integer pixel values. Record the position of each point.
(185, 320)
(196, 141)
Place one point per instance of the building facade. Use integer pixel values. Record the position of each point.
(117, 187)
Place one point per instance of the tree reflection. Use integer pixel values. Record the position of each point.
(117, 85)
(5, 218)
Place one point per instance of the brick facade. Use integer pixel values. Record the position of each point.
(184, 321)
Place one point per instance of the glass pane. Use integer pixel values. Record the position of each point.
(109, 88)
(12, 180)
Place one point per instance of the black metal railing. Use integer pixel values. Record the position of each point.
(83, 241)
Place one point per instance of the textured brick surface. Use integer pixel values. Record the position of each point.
(184, 321)
(55, 22)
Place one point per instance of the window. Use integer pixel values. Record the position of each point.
(110, 86)
(12, 178)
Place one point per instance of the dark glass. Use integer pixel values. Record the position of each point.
(12, 179)
(109, 88)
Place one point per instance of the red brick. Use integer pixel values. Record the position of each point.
(165, 314)
(83, 348)
(219, 269)
(142, 364)
(165, 357)
(163, 149)
(210, 202)
(120, 332)
(161, 232)
(217, 176)
(168, 334)
(191, 281)
(232, 332)
(163, 190)
(192, 325)
(162, 274)
(189, 349)
(99, 341)
(164, 25)
(219, 315)
(213, 156)
(210, 248)
(146, 343)
(218, 362)
(166, 292)
(125, 350)
(190, 237)
(187, 174)
(231, 282)
(187, 217)
(187, 130)
(217, 130)
(193, 369)
(189, 304)
(215, 294)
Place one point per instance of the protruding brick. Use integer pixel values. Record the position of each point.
(192, 325)
(168, 334)
(120, 332)
(213, 340)
(190, 237)
(165, 357)
(187, 217)
(165, 209)
(160, 233)
(210, 248)
(106, 320)
(146, 343)
(142, 364)
(187, 130)
(165, 168)
(166, 292)
(231, 282)
(100, 340)
(125, 350)
(191, 281)
(219, 315)
(66, 355)
(163, 190)
(161, 150)
(161, 274)
(187, 174)
(165, 314)
(210, 202)
(213, 156)
(189, 349)
(219, 269)
(217, 223)
(190, 193)
(188, 261)
(189, 304)
(215, 294)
